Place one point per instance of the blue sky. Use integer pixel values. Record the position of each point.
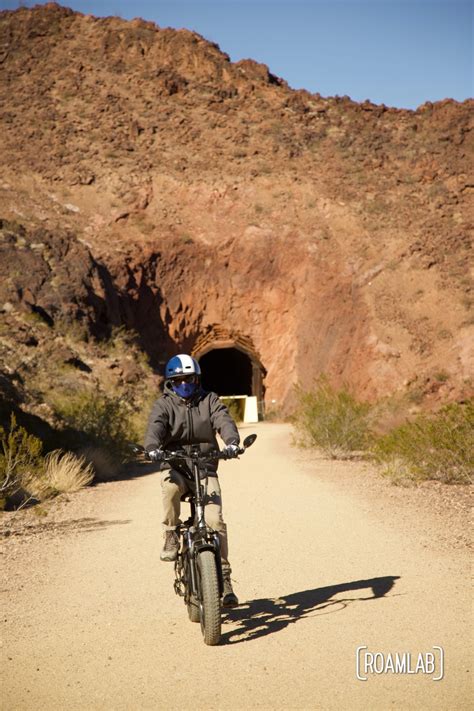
(397, 52)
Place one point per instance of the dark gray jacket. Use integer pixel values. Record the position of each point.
(175, 422)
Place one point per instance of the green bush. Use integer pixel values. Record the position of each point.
(331, 420)
(26, 475)
(20, 458)
(104, 420)
(439, 447)
(235, 408)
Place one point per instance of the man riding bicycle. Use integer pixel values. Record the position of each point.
(188, 415)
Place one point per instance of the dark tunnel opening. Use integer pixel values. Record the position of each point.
(226, 371)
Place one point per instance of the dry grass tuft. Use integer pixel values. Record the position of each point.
(66, 473)
(398, 472)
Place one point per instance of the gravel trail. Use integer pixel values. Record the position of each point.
(321, 564)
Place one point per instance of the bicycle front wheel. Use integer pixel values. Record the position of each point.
(210, 603)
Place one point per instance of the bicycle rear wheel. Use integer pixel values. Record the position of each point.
(193, 610)
(210, 603)
(192, 604)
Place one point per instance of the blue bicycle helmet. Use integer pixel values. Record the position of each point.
(182, 365)
(177, 368)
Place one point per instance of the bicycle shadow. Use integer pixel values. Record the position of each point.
(258, 618)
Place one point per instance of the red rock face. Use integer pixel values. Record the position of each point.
(208, 195)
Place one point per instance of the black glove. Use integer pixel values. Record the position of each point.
(231, 451)
(156, 455)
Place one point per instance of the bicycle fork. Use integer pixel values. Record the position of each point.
(186, 585)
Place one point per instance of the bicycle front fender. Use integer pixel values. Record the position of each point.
(214, 547)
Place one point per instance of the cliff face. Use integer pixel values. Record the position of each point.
(186, 194)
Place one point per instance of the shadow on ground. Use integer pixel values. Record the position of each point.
(81, 525)
(258, 618)
(128, 471)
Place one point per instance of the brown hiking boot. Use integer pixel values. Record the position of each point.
(171, 546)
(229, 598)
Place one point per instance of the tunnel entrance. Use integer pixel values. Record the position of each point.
(231, 366)
(227, 371)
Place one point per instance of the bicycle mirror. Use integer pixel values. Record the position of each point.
(248, 441)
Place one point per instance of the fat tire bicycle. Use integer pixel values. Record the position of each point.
(198, 569)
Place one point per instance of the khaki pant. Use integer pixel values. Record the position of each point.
(173, 486)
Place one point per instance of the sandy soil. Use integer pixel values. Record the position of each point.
(326, 558)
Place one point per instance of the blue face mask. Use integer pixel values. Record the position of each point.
(185, 390)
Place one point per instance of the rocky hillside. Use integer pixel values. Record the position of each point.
(150, 183)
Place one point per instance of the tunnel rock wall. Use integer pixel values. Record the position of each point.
(271, 297)
(179, 292)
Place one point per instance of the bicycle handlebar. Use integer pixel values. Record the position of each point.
(195, 456)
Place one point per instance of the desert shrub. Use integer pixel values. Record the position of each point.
(105, 465)
(126, 342)
(26, 476)
(274, 414)
(106, 421)
(331, 420)
(122, 338)
(74, 331)
(235, 408)
(432, 446)
(142, 405)
(20, 458)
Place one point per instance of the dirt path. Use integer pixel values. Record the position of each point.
(91, 622)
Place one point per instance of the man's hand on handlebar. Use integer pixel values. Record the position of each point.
(156, 455)
(231, 451)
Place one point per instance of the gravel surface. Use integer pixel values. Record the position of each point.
(91, 622)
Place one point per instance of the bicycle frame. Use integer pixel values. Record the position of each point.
(196, 536)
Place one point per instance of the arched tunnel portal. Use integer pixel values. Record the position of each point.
(231, 366)
(226, 371)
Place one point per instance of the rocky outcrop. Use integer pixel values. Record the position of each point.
(54, 277)
(178, 193)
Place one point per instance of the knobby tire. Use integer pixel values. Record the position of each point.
(210, 611)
